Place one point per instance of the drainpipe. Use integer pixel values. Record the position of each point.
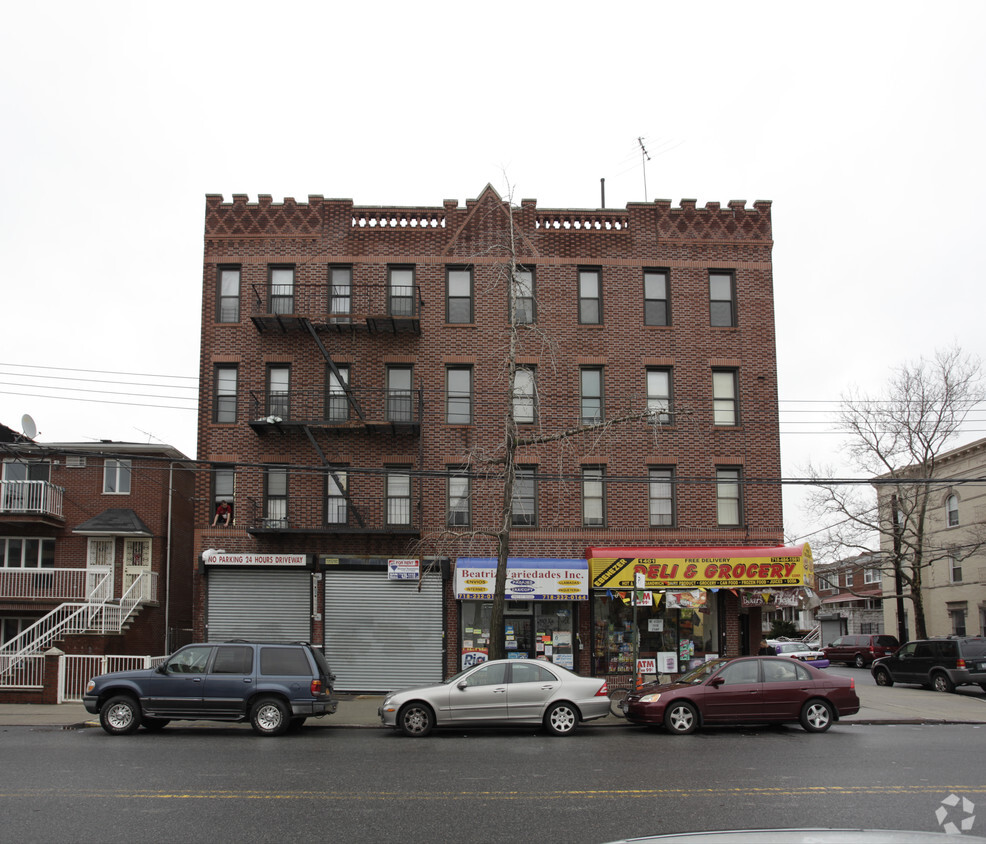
(167, 564)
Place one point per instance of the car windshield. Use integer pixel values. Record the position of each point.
(702, 673)
(791, 647)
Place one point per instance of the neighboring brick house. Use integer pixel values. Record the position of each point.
(352, 372)
(851, 596)
(954, 582)
(96, 543)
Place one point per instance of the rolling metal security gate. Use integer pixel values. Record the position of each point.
(273, 606)
(382, 634)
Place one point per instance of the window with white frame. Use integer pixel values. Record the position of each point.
(336, 398)
(725, 404)
(729, 505)
(661, 497)
(276, 497)
(957, 616)
(398, 491)
(525, 498)
(282, 290)
(279, 391)
(524, 401)
(459, 506)
(27, 552)
(458, 299)
(228, 301)
(525, 311)
(847, 578)
(400, 407)
(952, 511)
(871, 575)
(458, 395)
(116, 477)
(593, 496)
(591, 395)
(656, 310)
(722, 299)
(401, 291)
(590, 297)
(659, 394)
(340, 294)
(226, 388)
(336, 491)
(223, 493)
(954, 569)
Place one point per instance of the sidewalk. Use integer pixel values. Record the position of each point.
(878, 705)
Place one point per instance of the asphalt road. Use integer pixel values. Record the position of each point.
(225, 784)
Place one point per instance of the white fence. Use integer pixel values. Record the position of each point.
(56, 584)
(74, 671)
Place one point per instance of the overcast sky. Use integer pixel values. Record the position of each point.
(862, 122)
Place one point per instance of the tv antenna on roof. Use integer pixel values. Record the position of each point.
(28, 428)
(644, 158)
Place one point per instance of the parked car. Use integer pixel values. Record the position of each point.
(745, 690)
(799, 651)
(503, 692)
(860, 649)
(274, 686)
(941, 664)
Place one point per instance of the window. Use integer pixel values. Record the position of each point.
(116, 477)
(525, 498)
(398, 498)
(728, 503)
(336, 400)
(340, 294)
(661, 497)
(27, 552)
(524, 398)
(233, 659)
(279, 391)
(722, 305)
(591, 392)
(952, 510)
(590, 297)
(458, 301)
(459, 494)
(957, 617)
(954, 569)
(228, 300)
(20, 493)
(458, 395)
(337, 485)
(871, 575)
(847, 578)
(523, 292)
(399, 407)
(659, 394)
(725, 408)
(401, 291)
(282, 290)
(489, 675)
(225, 404)
(593, 497)
(223, 492)
(656, 311)
(276, 497)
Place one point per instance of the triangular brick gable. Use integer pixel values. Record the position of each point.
(485, 231)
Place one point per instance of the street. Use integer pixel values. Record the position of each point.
(218, 783)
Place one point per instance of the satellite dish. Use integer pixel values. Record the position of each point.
(28, 428)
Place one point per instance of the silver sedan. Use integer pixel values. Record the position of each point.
(500, 693)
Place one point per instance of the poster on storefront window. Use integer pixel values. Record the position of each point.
(667, 662)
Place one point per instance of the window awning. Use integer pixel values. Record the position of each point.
(528, 579)
(703, 567)
(116, 521)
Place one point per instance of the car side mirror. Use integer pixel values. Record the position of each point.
(716, 682)
(462, 685)
(162, 668)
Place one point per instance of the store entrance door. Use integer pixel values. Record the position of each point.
(520, 638)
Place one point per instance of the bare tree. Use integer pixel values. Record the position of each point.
(896, 441)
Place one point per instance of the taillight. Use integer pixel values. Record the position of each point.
(603, 690)
(852, 683)
(316, 687)
(960, 663)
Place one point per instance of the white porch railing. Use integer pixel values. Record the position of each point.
(75, 671)
(55, 584)
(97, 615)
(39, 497)
(27, 673)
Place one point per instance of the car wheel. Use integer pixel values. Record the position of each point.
(270, 717)
(561, 719)
(415, 720)
(154, 724)
(883, 678)
(681, 718)
(941, 683)
(860, 662)
(816, 716)
(120, 715)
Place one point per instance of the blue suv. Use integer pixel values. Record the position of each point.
(274, 686)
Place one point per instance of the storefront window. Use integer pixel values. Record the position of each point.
(686, 635)
(533, 630)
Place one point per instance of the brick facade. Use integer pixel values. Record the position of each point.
(686, 242)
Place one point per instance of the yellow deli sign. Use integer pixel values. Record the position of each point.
(713, 570)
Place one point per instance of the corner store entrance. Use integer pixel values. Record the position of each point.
(520, 642)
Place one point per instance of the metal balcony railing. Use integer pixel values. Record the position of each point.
(396, 515)
(358, 407)
(43, 584)
(31, 497)
(365, 305)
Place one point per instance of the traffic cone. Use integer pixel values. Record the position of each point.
(640, 681)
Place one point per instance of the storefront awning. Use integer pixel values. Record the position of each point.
(709, 567)
(528, 579)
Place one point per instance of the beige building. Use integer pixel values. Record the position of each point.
(954, 579)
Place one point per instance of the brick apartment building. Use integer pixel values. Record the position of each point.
(354, 364)
(96, 553)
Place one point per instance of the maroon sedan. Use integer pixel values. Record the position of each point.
(745, 690)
